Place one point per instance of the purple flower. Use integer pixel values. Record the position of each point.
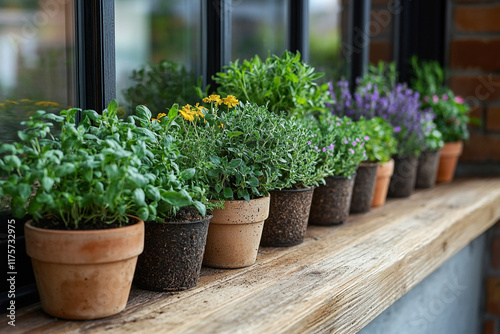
(324, 149)
(459, 99)
(351, 150)
(354, 143)
(309, 142)
(315, 147)
(435, 98)
(445, 97)
(397, 129)
(366, 138)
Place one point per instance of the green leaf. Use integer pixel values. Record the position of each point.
(234, 134)
(24, 191)
(13, 161)
(143, 213)
(143, 113)
(175, 198)
(188, 174)
(139, 197)
(47, 182)
(243, 193)
(153, 193)
(235, 163)
(172, 113)
(253, 182)
(202, 209)
(112, 107)
(228, 193)
(53, 117)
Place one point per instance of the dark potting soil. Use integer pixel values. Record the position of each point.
(288, 216)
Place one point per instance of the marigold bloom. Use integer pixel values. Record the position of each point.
(160, 115)
(187, 113)
(230, 101)
(213, 98)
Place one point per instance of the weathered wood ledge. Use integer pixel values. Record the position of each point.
(337, 281)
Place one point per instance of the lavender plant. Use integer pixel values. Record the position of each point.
(400, 107)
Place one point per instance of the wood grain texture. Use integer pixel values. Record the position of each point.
(337, 281)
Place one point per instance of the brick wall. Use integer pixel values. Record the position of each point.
(474, 63)
(492, 283)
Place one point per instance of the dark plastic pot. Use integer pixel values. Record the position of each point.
(173, 254)
(404, 177)
(364, 184)
(288, 215)
(331, 202)
(427, 169)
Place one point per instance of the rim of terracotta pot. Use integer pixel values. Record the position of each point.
(220, 215)
(452, 148)
(73, 243)
(294, 190)
(182, 223)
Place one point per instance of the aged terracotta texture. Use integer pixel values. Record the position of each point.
(84, 274)
(364, 184)
(331, 202)
(384, 173)
(288, 216)
(405, 174)
(234, 233)
(448, 161)
(427, 169)
(172, 257)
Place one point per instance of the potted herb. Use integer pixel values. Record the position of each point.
(244, 150)
(80, 186)
(380, 146)
(176, 231)
(429, 158)
(451, 113)
(340, 142)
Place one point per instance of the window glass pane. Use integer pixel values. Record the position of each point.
(327, 31)
(258, 26)
(381, 31)
(148, 33)
(37, 67)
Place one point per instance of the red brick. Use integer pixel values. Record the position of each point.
(493, 295)
(380, 51)
(477, 19)
(475, 89)
(475, 54)
(482, 148)
(495, 253)
(489, 327)
(493, 119)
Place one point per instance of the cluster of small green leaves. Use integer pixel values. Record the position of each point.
(427, 77)
(380, 141)
(433, 137)
(158, 86)
(97, 172)
(282, 83)
(340, 142)
(383, 76)
(246, 151)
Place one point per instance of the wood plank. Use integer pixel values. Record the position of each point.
(337, 281)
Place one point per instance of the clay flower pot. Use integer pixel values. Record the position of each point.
(427, 169)
(84, 274)
(331, 202)
(448, 161)
(384, 173)
(234, 233)
(172, 257)
(288, 216)
(364, 184)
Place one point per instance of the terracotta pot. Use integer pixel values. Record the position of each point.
(404, 177)
(448, 161)
(84, 274)
(427, 169)
(172, 257)
(364, 184)
(384, 173)
(331, 202)
(234, 233)
(288, 216)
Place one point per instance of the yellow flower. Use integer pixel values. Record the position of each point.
(2, 105)
(160, 115)
(187, 113)
(46, 104)
(154, 119)
(25, 100)
(10, 101)
(199, 109)
(230, 101)
(213, 98)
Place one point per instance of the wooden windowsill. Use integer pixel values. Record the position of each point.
(337, 281)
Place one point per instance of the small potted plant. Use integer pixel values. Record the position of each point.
(429, 158)
(244, 150)
(340, 142)
(451, 113)
(81, 187)
(377, 168)
(176, 230)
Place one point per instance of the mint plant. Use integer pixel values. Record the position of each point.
(379, 136)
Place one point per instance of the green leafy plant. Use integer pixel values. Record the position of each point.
(379, 137)
(383, 77)
(160, 85)
(433, 137)
(282, 83)
(340, 142)
(450, 110)
(243, 150)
